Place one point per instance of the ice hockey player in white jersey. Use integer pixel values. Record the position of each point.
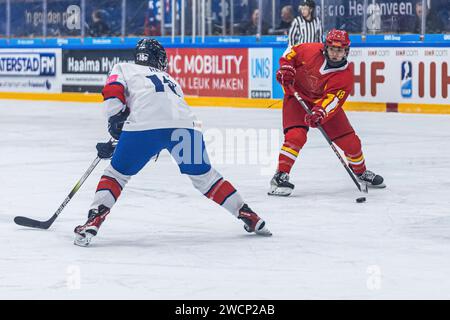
(147, 113)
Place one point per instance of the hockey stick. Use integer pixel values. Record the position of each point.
(27, 222)
(276, 102)
(362, 187)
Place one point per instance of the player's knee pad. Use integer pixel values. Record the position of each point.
(296, 138)
(109, 188)
(122, 179)
(350, 143)
(204, 182)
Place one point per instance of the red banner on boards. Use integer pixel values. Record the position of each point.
(210, 72)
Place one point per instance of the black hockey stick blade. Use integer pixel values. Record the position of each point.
(364, 187)
(27, 222)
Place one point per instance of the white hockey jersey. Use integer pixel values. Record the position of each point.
(154, 98)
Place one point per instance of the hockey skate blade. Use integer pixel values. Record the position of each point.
(264, 231)
(379, 186)
(83, 241)
(31, 223)
(365, 186)
(280, 192)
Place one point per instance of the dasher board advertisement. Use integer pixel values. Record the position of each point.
(401, 75)
(210, 72)
(30, 70)
(87, 70)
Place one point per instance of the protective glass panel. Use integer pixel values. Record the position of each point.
(437, 18)
(103, 18)
(144, 17)
(2, 18)
(188, 16)
(283, 16)
(171, 12)
(247, 15)
(64, 18)
(218, 10)
(141, 18)
(441, 9)
(174, 14)
(386, 16)
(390, 16)
(341, 14)
(270, 14)
(26, 18)
(235, 17)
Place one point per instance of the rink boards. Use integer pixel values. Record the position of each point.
(240, 102)
(392, 79)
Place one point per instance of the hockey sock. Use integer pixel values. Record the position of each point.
(219, 190)
(109, 188)
(351, 145)
(294, 140)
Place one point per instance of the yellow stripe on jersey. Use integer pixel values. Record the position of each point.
(329, 104)
(291, 151)
(330, 97)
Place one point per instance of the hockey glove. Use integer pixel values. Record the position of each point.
(316, 118)
(105, 150)
(286, 75)
(116, 122)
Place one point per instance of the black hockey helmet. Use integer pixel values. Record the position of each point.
(149, 52)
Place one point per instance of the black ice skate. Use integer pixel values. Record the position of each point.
(84, 233)
(280, 185)
(253, 223)
(372, 180)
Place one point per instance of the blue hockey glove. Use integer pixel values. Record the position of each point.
(105, 150)
(116, 122)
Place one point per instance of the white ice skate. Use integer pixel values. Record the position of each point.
(253, 223)
(85, 233)
(280, 185)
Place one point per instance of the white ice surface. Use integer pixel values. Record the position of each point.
(163, 240)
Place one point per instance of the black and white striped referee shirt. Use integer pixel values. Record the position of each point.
(303, 31)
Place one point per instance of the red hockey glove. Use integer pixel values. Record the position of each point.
(315, 119)
(286, 75)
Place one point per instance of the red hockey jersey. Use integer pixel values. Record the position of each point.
(317, 85)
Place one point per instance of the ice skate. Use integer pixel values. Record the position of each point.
(280, 185)
(253, 223)
(85, 233)
(372, 180)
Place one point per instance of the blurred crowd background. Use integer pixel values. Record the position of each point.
(124, 18)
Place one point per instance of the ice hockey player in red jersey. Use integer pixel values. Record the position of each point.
(147, 113)
(321, 75)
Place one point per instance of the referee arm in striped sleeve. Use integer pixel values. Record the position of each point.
(294, 33)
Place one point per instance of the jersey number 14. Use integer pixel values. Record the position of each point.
(159, 85)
